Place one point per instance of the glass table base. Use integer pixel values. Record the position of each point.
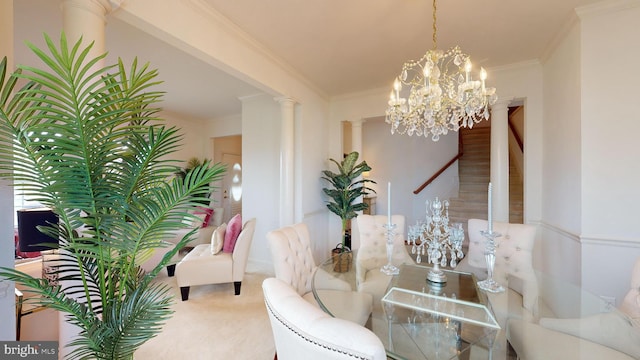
(390, 269)
(490, 285)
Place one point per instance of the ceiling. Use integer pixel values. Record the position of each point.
(341, 46)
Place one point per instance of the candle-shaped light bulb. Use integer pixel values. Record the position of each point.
(467, 69)
(392, 98)
(426, 72)
(483, 76)
(397, 86)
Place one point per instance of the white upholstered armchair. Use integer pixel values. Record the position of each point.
(513, 268)
(303, 331)
(201, 266)
(294, 264)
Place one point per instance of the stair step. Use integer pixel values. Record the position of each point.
(474, 169)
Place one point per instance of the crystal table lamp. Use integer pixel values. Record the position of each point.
(441, 242)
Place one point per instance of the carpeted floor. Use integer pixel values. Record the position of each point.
(215, 324)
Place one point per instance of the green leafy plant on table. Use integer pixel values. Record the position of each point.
(347, 187)
(85, 141)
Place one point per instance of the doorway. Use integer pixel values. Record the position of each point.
(228, 191)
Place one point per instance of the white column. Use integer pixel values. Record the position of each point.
(356, 145)
(500, 159)
(356, 136)
(7, 298)
(86, 19)
(287, 187)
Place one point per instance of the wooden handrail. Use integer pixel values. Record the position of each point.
(516, 135)
(431, 179)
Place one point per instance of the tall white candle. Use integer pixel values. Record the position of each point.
(489, 217)
(389, 203)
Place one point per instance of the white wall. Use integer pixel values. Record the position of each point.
(260, 174)
(7, 299)
(310, 159)
(193, 143)
(562, 204)
(406, 162)
(610, 128)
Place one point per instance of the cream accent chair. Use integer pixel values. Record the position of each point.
(303, 331)
(593, 335)
(513, 268)
(293, 263)
(372, 254)
(201, 267)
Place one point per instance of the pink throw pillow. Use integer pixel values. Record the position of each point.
(234, 226)
(208, 214)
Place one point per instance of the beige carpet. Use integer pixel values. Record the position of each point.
(215, 324)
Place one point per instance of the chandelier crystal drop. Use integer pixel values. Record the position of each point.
(442, 94)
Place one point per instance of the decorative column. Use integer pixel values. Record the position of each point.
(500, 159)
(7, 248)
(356, 136)
(287, 186)
(87, 19)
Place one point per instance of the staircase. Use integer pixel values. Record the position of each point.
(474, 173)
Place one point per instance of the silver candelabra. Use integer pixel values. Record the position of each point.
(434, 237)
(389, 268)
(489, 284)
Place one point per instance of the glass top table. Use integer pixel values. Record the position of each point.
(416, 319)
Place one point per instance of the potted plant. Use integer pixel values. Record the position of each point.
(194, 163)
(347, 187)
(84, 141)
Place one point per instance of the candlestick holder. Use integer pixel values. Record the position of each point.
(389, 268)
(489, 284)
(437, 239)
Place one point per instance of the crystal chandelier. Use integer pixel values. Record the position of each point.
(442, 94)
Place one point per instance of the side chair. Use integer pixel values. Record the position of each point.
(372, 254)
(303, 331)
(202, 267)
(513, 268)
(294, 264)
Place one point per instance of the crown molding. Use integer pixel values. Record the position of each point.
(203, 8)
(605, 7)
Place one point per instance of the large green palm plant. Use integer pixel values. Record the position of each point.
(84, 140)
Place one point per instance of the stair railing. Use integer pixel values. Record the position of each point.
(516, 135)
(445, 167)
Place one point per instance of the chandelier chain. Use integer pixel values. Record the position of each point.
(435, 29)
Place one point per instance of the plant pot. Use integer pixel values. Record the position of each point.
(342, 258)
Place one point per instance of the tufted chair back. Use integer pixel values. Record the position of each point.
(292, 257)
(514, 256)
(373, 239)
